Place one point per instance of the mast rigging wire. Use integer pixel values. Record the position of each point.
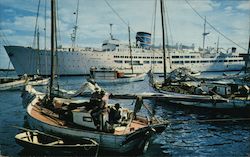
(213, 26)
(36, 27)
(127, 24)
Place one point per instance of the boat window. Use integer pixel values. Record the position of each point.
(159, 62)
(148, 57)
(146, 62)
(136, 62)
(135, 56)
(175, 56)
(192, 61)
(187, 56)
(118, 61)
(153, 62)
(225, 60)
(187, 61)
(176, 62)
(128, 62)
(192, 56)
(139, 57)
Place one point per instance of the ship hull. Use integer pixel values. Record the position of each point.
(30, 61)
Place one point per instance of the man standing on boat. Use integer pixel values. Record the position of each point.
(99, 100)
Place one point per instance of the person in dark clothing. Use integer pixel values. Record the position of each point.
(115, 114)
(98, 106)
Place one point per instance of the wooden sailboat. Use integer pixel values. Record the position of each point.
(74, 118)
(12, 83)
(187, 90)
(109, 76)
(19, 83)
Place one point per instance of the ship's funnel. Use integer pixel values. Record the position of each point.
(143, 39)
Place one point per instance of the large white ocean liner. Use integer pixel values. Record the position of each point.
(115, 54)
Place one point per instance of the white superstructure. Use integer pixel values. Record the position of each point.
(114, 54)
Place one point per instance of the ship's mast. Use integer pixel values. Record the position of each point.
(204, 35)
(247, 68)
(163, 41)
(130, 50)
(73, 35)
(53, 29)
(38, 52)
(111, 36)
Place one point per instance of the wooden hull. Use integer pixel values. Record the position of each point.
(56, 146)
(208, 101)
(15, 85)
(110, 142)
(139, 77)
(41, 82)
(121, 143)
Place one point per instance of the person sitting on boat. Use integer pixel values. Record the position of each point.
(115, 114)
(199, 91)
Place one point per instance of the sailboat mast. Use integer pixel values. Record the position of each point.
(248, 58)
(163, 41)
(130, 50)
(53, 27)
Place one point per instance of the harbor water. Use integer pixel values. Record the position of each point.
(186, 135)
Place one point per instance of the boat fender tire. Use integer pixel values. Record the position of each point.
(143, 147)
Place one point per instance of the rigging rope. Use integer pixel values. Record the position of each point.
(127, 24)
(35, 32)
(153, 32)
(116, 13)
(170, 32)
(4, 38)
(213, 26)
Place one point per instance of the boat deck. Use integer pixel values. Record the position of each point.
(51, 118)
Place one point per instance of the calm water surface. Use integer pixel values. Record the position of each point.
(191, 138)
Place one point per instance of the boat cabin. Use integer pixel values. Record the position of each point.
(227, 89)
(82, 114)
(105, 73)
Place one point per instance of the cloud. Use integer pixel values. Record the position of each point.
(95, 17)
(228, 9)
(244, 5)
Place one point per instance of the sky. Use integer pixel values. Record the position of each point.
(230, 17)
